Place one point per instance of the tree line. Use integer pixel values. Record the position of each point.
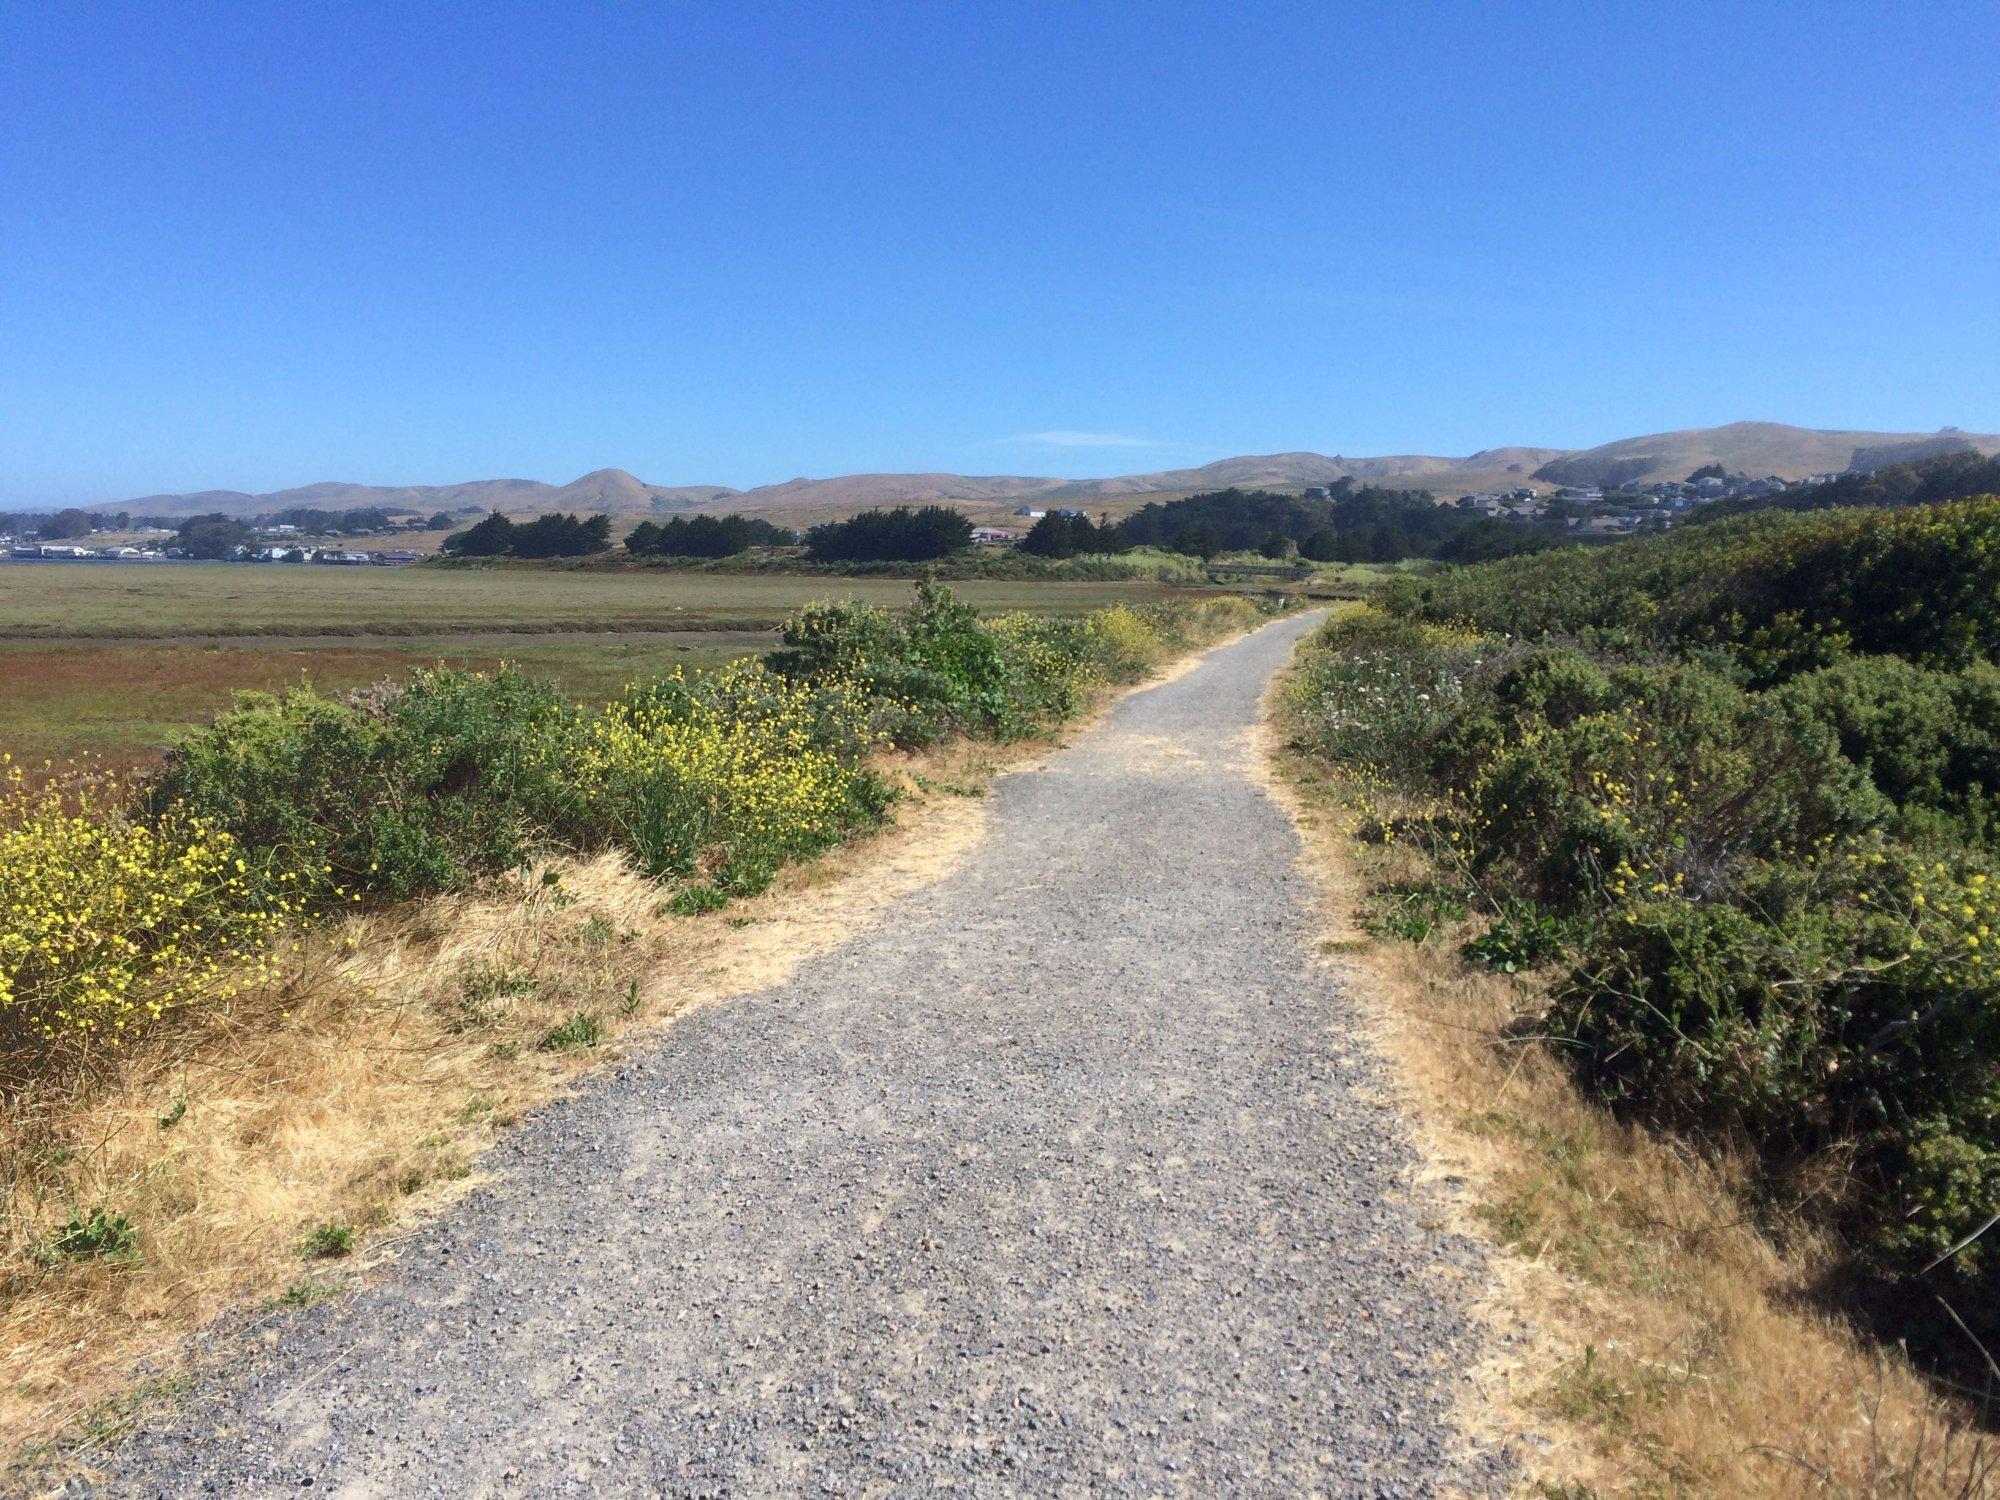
(555, 535)
(1352, 523)
(705, 536)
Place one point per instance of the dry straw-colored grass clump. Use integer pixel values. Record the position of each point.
(1649, 1336)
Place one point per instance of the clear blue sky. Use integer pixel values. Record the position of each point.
(250, 246)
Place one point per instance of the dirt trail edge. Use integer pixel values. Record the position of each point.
(1074, 1173)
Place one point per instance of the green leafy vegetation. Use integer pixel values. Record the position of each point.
(327, 1242)
(97, 1235)
(1773, 593)
(579, 1029)
(704, 536)
(213, 537)
(545, 536)
(1351, 523)
(1060, 534)
(899, 535)
(1734, 788)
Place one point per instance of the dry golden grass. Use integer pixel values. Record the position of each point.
(1648, 1339)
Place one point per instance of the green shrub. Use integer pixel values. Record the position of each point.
(1380, 693)
(327, 1242)
(1665, 792)
(455, 773)
(1557, 684)
(1857, 1016)
(578, 1029)
(97, 1235)
(938, 670)
(1519, 938)
(1412, 912)
(1929, 740)
(1775, 857)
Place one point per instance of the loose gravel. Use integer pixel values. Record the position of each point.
(1074, 1175)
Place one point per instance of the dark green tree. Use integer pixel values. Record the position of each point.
(213, 536)
(898, 535)
(492, 537)
(1322, 545)
(1057, 535)
(559, 535)
(1199, 540)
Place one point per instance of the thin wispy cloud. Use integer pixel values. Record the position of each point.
(1062, 438)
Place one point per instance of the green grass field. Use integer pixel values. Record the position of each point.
(112, 660)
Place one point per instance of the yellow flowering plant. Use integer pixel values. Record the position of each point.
(109, 920)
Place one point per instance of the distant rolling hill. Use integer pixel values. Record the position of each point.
(1756, 448)
(1753, 448)
(611, 490)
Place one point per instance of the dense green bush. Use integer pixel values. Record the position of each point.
(1778, 594)
(936, 669)
(454, 773)
(1779, 884)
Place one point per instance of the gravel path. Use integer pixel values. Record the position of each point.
(1071, 1177)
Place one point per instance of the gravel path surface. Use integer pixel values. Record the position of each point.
(1071, 1177)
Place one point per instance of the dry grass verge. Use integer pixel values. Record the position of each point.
(1648, 1339)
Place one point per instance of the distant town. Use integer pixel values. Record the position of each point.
(1620, 510)
(341, 539)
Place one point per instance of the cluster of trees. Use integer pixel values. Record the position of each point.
(67, 525)
(1374, 525)
(899, 535)
(213, 536)
(555, 535)
(1353, 523)
(1060, 535)
(704, 536)
(70, 523)
(1226, 521)
(369, 518)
